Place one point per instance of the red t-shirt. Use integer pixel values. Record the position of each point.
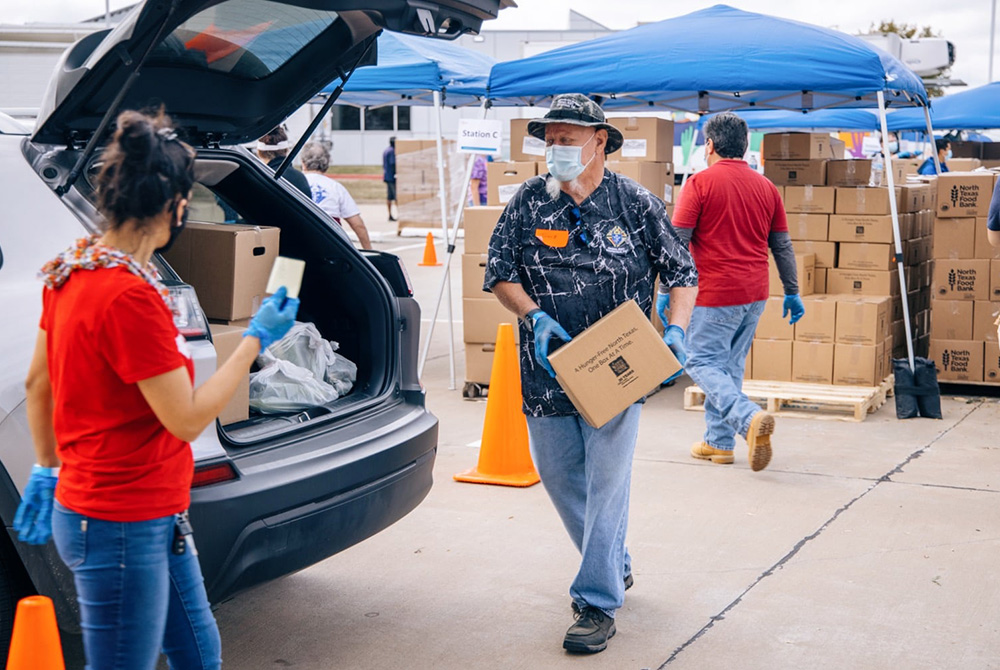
(107, 329)
(732, 209)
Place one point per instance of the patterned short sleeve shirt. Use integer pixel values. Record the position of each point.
(579, 262)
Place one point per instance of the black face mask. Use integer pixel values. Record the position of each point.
(174, 232)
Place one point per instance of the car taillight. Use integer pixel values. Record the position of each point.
(188, 317)
(406, 276)
(207, 475)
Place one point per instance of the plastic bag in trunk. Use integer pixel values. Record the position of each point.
(306, 348)
(285, 387)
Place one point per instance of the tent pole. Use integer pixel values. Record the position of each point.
(442, 196)
(930, 135)
(894, 210)
(451, 239)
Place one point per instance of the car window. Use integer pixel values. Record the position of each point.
(244, 38)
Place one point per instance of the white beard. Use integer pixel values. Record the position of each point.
(554, 187)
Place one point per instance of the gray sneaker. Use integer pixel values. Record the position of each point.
(590, 633)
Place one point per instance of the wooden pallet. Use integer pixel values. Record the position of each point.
(807, 401)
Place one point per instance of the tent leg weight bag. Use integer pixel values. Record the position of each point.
(917, 392)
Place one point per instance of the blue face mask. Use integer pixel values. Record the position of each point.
(565, 163)
(947, 156)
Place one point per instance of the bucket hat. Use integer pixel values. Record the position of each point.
(578, 110)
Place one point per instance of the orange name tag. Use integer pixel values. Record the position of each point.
(553, 238)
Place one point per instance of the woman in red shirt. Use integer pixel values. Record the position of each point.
(110, 398)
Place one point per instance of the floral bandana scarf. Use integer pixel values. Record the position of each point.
(89, 254)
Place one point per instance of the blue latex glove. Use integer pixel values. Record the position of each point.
(662, 305)
(33, 521)
(673, 337)
(274, 319)
(544, 327)
(793, 304)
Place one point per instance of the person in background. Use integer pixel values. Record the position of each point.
(477, 183)
(272, 149)
(389, 175)
(569, 248)
(112, 407)
(731, 215)
(943, 147)
(329, 194)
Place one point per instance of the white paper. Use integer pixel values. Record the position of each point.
(507, 191)
(480, 136)
(286, 272)
(668, 193)
(533, 146)
(634, 149)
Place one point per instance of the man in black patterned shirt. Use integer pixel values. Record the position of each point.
(570, 247)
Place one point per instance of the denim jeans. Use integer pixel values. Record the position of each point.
(719, 339)
(587, 473)
(135, 595)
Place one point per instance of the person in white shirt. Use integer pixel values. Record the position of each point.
(329, 194)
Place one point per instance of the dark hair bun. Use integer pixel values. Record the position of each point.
(136, 137)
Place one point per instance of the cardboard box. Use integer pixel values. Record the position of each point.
(809, 199)
(864, 200)
(862, 320)
(852, 172)
(798, 146)
(479, 362)
(991, 363)
(954, 238)
(964, 194)
(658, 178)
(984, 320)
(983, 248)
(479, 223)
(796, 172)
(771, 325)
(864, 256)
(503, 180)
(646, 139)
(523, 147)
(227, 264)
(958, 360)
(994, 279)
(812, 362)
(819, 282)
(874, 228)
(961, 280)
(825, 252)
(772, 360)
(964, 164)
(808, 227)
(612, 364)
(858, 364)
(819, 323)
(226, 339)
(473, 275)
(863, 282)
(480, 318)
(805, 267)
(952, 319)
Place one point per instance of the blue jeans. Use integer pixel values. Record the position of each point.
(719, 339)
(587, 473)
(135, 595)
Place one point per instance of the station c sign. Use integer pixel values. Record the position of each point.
(477, 136)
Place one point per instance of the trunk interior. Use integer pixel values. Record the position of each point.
(342, 294)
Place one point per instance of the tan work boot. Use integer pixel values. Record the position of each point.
(707, 452)
(759, 440)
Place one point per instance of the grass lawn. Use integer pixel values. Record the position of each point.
(363, 190)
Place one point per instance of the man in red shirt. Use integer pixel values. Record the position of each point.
(731, 216)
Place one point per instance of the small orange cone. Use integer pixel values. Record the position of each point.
(35, 644)
(430, 254)
(504, 457)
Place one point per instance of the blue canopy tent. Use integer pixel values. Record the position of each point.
(818, 120)
(975, 109)
(720, 59)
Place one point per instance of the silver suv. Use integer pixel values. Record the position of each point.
(275, 493)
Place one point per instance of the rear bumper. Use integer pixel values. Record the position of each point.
(299, 510)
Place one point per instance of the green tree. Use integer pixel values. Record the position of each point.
(907, 31)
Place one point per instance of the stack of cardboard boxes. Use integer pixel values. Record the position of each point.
(965, 298)
(843, 237)
(418, 183)
(481, 312)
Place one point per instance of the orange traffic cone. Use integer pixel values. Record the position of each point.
(504, 457)
(35, 644)
(430, 254)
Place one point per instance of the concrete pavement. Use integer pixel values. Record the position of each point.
(866, 545)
